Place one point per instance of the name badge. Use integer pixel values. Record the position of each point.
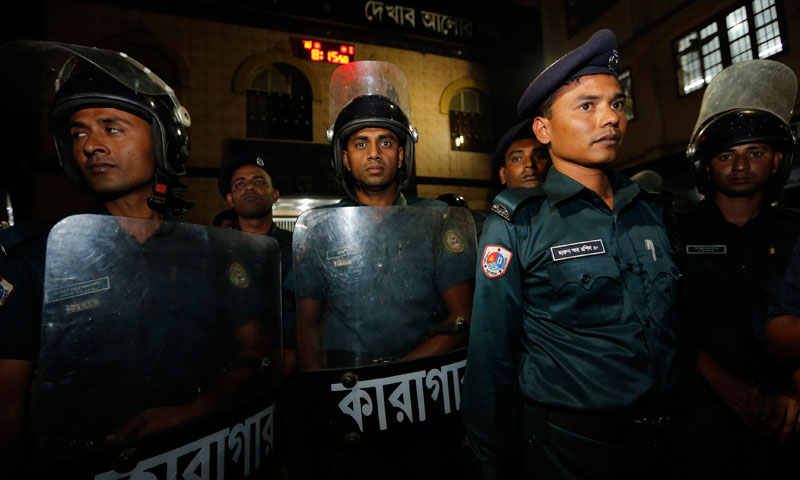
(578, 249)
(706, 249)
(342, 252)
(84, 288)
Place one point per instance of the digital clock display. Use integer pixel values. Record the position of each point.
(319, 51)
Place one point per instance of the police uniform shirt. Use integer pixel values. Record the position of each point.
(153, 324)
(21, 279)
(383, 298)
(731, 274)
(584, 293)
(284, 238)
(788, 300)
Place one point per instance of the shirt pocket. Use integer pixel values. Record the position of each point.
(661, 287)
(587, 292)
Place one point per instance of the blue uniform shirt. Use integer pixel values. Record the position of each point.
(732, 273)
(21, 278)
(788, 300)
(382, 275)
(585, 296)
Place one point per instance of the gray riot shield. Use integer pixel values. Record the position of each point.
(383, 302)
(160, 350)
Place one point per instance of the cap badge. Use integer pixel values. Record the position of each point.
(613, 61)
(259, 162)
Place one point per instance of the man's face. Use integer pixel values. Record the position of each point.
(526, 164)
(252, 195)
(743, 170)
(113, 150)
(373, 156)
(587, 122)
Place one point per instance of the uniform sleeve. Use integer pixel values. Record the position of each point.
(456, 255)
(494, 340)
(310, 277)
(21, 280)
(788, 299)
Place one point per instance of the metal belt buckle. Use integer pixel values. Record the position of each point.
(651, 430)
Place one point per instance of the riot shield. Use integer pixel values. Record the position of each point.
(160, 350)
(384, 296)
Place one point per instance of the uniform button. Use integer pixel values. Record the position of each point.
(629, 267)
(532, 441)
(585, 278)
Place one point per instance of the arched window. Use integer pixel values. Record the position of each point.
(471, 122)
(279, 104)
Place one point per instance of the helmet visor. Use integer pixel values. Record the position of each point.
(755, 85)
(367, 78)
(41, 68)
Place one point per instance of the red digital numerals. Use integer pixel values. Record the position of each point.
(317, 53)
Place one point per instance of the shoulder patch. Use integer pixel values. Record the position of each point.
(238, 276)
(6, 288)
(495, 260)
(509, 201)
(452, 241)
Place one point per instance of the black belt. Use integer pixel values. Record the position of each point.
(640, 431)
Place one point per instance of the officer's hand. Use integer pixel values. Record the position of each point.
(744, 399)
(781, 415)
(154, 419)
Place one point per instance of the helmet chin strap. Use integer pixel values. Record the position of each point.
(160, 186)
(164, 199)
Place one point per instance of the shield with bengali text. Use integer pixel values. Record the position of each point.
(161, 351)
(383, 297)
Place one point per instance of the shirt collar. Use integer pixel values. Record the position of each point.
(399, 201)
(559, 187)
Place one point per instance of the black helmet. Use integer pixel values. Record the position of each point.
(373, 111)
(737, 110)
(739, 127)
(453, 200)
(88, 86)
(369, 94)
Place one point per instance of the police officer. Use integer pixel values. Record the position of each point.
(373, 154)
(735, 248)
(246, 184)
(126, 144)
(520, 160)
(779, 326)
(574, 296)
(374, 284)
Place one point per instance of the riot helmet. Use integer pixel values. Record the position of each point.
(73, 77)
(369, 94)
(737, 110)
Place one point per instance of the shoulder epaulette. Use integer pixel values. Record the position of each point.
(508, 202)
(652, 195)
(13, 237)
